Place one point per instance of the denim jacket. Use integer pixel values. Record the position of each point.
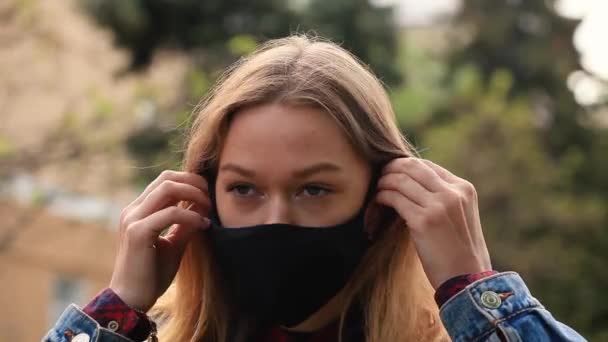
(496, 308)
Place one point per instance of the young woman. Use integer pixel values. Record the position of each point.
(302, 214)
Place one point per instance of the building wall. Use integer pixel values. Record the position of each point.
(46, 250)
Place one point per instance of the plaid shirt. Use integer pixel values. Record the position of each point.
(110, 311)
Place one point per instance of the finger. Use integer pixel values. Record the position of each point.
(407, 209)
(179, 235)
(441, 171)
(418, 170)
(467, 190)
(145, 232)
(168, 194)
(176, 176)
(203, 210)
(407, 186)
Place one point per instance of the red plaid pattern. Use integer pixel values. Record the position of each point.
(107, 307)
(454, 285)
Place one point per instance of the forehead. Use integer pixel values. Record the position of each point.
(278, 135)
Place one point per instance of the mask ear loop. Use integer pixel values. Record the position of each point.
(372, 187)
(210, 177)
(370, 194)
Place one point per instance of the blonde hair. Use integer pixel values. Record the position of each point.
(397, 298)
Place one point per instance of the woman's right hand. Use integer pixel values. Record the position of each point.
(146, 262)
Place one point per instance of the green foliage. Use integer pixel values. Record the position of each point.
(510, 125)
(197, 84)
(415, 99)
(242, 45)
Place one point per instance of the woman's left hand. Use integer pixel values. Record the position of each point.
(442, 214)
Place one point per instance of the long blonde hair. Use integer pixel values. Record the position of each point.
(390, 282)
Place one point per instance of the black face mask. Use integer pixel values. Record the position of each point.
(283, 273)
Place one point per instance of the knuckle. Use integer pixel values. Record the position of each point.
(469, 189)
(406, 162)
(124, 214)
(133, 230)
(413, 161)
(167, 174)
(167, 186)
(125, 219)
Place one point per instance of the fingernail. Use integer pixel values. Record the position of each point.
(206, 223)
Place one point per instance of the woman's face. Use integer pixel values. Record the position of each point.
(288, 164)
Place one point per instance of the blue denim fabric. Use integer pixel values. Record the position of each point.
(74, 319)
(518, 317)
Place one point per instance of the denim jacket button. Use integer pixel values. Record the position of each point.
(490, 299)
(113, 325)
(81, 338)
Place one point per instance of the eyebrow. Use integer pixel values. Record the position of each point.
(303, 173)
(238, 169)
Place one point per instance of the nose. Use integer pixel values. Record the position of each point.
(278, 211)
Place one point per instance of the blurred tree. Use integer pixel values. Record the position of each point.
(366, 30)
(534, 43)
(510, 125)
(206, 27)
(215, 33)
(192, 25)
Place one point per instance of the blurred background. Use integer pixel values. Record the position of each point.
(95, 96)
